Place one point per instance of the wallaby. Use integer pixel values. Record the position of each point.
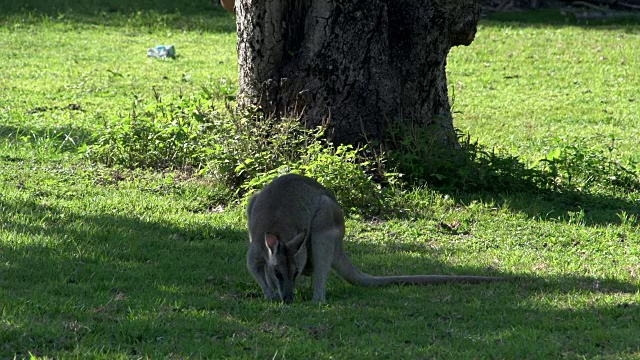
(297, 227)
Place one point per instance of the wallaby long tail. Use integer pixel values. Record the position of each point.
(353, 275)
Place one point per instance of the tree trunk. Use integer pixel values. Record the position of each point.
(358, 65)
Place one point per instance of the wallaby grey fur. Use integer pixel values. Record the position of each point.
(296, 227)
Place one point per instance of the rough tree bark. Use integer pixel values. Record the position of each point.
(358, 64)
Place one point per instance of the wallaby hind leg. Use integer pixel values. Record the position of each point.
(327, 230)
(323, 247)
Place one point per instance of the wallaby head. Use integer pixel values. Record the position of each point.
(285, 262)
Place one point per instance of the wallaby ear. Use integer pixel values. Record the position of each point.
(296, 243)
(272, 243)
(298, 247)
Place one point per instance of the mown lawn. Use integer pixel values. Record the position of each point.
(107, 262)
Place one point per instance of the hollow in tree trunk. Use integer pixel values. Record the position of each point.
(358, 65)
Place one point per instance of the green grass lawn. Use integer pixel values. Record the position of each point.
(105, 262)
(539, 85)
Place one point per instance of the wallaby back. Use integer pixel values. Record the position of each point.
(286, 206)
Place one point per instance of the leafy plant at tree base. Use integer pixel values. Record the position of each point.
(242, 150)
(342, 169)
(580, 167)
(157, 136)
(473, 167)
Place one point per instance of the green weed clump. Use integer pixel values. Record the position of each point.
(157, 136)
(471, 167)
(578, 167)
(474, 167)
(239, 150)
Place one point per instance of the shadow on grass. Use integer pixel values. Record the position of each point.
(203, 15)
(553, 189)
(569, 206)
(555, 18)
(100, 269)
(132, 282)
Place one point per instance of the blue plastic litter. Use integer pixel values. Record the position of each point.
(162, 52)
